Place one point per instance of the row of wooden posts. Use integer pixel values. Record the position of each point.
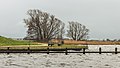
(48, 51)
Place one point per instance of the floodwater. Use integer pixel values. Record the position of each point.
(63, 61)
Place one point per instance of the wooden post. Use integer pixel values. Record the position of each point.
(100, 50)
(83, 50)
(59, 44)
(28, 50)
(8, 50)
(66, 53)
(48, 44)
(48, 50)
(116, 50)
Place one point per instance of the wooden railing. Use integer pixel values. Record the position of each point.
(48, 51)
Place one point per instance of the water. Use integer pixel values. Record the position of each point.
(62, 60)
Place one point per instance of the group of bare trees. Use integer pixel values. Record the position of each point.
(43, 27)
(77, 31)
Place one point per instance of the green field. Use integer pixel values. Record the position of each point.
(68, 46)
(7, 41)
(15, 44)
(43, 47)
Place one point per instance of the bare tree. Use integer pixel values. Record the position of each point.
(43, 26)
(77, 31)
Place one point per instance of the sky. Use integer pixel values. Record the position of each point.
(101, 17)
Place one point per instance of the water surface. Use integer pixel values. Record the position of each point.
(62, 60)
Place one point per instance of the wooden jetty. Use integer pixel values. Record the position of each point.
(48, 51)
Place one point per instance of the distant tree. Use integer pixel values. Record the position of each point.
(115, 40)
(103, 40)
(43, 26)
(118, 40)
(108, 40)
(77, 31)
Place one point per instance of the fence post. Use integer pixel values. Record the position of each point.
(83, 50)
(48, 44)
(66, 53)
(48, 50)
(28, 50)
(116, 50)
(8, 50)
(100, 50)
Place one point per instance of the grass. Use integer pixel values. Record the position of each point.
(89, 42)
(68, 46)
(14, 44)
(7, 41)
(43, 47)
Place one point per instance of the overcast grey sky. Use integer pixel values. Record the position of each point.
(102, 17)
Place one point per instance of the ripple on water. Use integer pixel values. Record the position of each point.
(10, 56)
(62, 60)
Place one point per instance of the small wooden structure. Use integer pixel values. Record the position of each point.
(50, 43)
(48, 51)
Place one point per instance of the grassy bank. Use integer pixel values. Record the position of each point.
(7, 41)
(15, 44)
(42, 46)
(60, 47)
(89, 42)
